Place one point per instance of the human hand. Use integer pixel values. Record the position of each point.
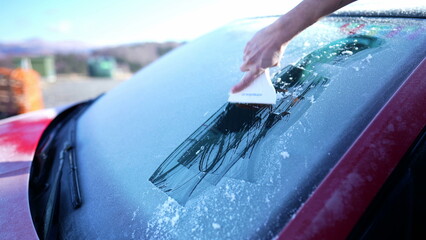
(267, 46)
(263, 51)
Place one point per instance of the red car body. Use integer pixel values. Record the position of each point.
(18, 140)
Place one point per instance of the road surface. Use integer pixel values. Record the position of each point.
(68, 90)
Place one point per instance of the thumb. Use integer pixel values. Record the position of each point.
(248, 78)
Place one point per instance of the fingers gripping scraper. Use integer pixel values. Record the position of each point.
(260, 91)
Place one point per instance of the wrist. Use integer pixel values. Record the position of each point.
(286, 27)
(298, 19)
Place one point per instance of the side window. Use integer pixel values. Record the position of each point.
(399, 209)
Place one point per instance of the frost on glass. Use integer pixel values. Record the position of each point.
(231, 134)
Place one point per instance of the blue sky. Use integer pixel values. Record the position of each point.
(105, 22)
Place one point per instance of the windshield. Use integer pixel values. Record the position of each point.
(165, 156)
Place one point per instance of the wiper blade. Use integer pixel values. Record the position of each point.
(52, 201)
(69, 150)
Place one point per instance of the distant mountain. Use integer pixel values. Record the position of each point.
(40, 47)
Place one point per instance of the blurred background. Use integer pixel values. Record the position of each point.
(54, 53)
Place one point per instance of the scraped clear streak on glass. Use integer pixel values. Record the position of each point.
(261, 91)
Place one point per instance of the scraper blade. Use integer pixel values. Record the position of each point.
(260, 91)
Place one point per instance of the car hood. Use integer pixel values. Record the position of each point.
(19, 136)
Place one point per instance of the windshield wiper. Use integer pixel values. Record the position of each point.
(69, 150)
(54, 170)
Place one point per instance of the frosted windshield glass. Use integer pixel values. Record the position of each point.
(232, 133)
(166, 156)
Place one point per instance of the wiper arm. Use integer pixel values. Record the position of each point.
(67, 153)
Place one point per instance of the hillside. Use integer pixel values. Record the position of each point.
(137, 55)
(71, 57)
(37, 46)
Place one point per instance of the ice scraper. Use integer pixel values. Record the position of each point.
(260, 91)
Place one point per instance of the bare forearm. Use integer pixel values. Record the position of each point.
(306, 14)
